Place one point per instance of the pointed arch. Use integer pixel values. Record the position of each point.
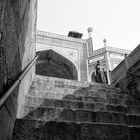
(93, 76)
(50, 63)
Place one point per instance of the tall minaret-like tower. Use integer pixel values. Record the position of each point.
(89, 40)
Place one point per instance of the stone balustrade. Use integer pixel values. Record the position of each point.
(134, 56)
(120, 71)
(99, 51)
(63, 37)
(117, 50)
(110, 49)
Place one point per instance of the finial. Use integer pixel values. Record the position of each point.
(104, 40)
(90, 29)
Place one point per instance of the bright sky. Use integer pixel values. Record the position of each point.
(116, 20)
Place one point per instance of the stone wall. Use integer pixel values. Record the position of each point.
(17, 49)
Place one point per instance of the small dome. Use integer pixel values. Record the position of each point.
(90, 29)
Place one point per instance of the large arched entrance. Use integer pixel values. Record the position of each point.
(52, 64)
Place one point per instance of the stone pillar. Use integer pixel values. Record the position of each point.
(126, 61)
(108, 67)
(88, 75)
(108, 64)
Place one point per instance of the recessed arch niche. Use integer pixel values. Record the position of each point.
(53, 64)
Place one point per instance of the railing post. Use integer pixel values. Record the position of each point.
(108, 77)
(126, 61)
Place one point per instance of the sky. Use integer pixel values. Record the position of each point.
(118, 21)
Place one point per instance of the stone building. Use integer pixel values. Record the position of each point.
(74, 57)
(62, 106)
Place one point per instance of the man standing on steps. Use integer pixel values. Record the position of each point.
(100, 75)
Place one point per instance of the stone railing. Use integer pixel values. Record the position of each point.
(118, 50)
(99, 51)
(58, 36)
(110, 49)
(134, 56)
(120, 71)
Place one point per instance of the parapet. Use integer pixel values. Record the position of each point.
(62, 37)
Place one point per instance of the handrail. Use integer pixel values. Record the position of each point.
(17, 82)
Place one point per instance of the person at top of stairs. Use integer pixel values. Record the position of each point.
(100, 75)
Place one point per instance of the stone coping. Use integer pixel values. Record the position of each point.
(58, 36)
(110, 49)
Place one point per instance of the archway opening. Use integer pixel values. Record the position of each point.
(53, 64)
(93, 76)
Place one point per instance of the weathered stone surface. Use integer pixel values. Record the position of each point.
(74, 104)
(17, 49)
(134, 109)
(96, 106)
(12, 103)
(133, 102)
(133, 119)
(56, 88)
(134, 133)
(27, 129)
(40, 82)
(6, 124)
(47, 114)
(90, 99)
(54, 106)
(9, 54)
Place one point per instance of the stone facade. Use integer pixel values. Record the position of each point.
(17, 49)
(72, 49)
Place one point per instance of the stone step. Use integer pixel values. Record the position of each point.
(133, 102)
(133, 109)
(78, 98)
(56, 130)
(49, 114)
(83, 92)
(55, 80)
(43, 83)
(44, 102)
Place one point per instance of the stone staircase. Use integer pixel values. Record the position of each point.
(60, 109)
